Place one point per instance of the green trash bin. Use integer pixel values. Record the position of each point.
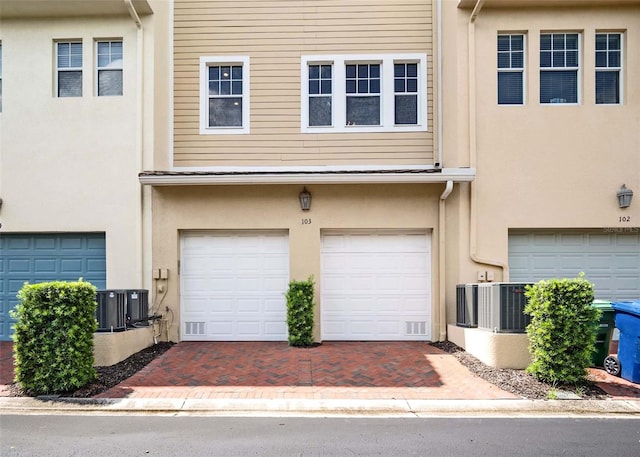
(605, 332)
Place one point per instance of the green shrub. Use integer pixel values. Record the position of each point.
(54, 336)
(562, 332)
(300, 313)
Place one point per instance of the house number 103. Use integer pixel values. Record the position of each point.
(306, 221)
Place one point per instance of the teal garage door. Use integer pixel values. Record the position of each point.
(38, 258)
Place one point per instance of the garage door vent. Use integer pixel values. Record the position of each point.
(501, 307)
(416, 327)
(194, 328)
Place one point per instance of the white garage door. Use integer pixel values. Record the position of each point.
(376, 286)
(609, 259)
(233, 286)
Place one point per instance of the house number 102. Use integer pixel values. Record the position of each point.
(306, 221)
(625, 218)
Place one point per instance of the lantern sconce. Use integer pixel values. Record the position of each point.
(624, 197)
(305, 200)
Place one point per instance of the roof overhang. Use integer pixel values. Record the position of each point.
(308, 175)
(544, 3)
(21, 9)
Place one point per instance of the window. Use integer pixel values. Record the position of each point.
(608, 67)
(69, 69)
(224, 95)
(406, 89)
(109, 59)
(559, 65)
(511, 69)
(364, 93)
(320, 89)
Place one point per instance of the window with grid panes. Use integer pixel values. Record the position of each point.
(69, 69)
(109, 60)
(608, 67)
(224, 95)
(511, 69)
(363, 93)
(559, 66)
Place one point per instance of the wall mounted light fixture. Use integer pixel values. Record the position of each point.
(305, 199)
(624, 197)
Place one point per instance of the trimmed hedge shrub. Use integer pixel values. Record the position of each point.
(563, 328)
(54, 336)
(300, 313)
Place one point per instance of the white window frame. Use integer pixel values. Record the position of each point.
(109, 67)
(577, 69)
(205, 63)
(59, 70)
(522, 70)
(387, 92)
(619, 70)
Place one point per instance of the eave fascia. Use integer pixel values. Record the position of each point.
(401, 176)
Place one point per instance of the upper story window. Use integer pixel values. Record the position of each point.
(608, 67)
(109, 67)
(320, 91)
(69, 69)
(511, 69)
(224, 95)
(559, 66)
(405, 85)
(364, 93)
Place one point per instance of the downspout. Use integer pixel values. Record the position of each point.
(441, 261)
(139, 136)
(473, 212)
(439, 76)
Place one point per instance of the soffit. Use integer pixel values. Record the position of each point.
(19, 9)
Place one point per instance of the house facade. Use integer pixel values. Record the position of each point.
(390, 150)
(274, 101)
(545, 104)
(77, 126)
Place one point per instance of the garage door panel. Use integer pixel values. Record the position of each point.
(274, 330)
(45, 265)
(370, 282)
(627, 261)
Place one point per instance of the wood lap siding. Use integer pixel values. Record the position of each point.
(275, 34)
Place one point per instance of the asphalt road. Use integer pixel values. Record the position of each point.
(162, 436)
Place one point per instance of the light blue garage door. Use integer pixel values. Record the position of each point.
(38, 258)
(609, 258)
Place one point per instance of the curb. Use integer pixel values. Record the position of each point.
(333, 407)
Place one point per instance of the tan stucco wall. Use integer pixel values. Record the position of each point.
(500, 350)
(277, 207)
(110, 348)
(538, 166)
